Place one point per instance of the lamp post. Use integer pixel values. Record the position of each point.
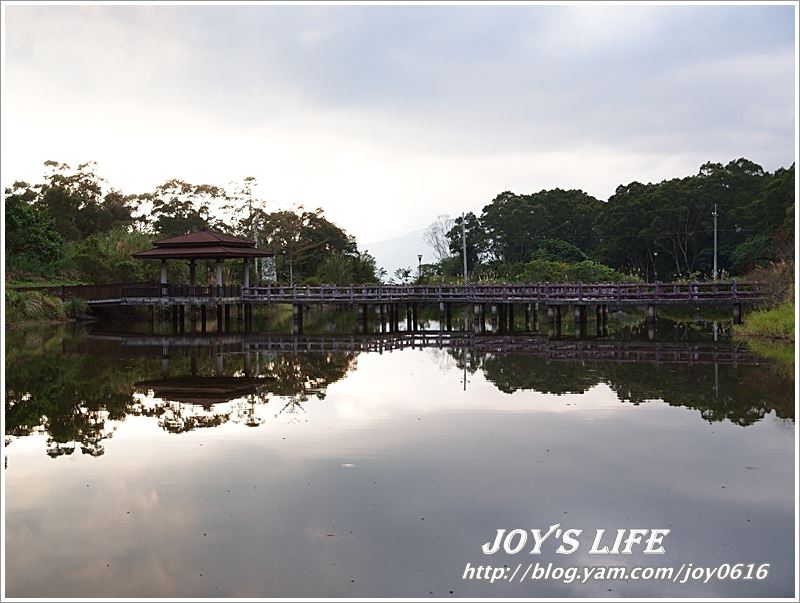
(419, 268)
(655, 270)
(464, 243)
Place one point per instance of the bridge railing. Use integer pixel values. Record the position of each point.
(181, 291)
(87, 292)
(542, 292)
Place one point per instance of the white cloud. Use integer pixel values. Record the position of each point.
(389, 116)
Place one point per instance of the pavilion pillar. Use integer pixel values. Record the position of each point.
(246, 273)
(164, 278)
(218, 273)
(192, 273)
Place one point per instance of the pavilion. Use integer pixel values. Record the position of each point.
(204, 245)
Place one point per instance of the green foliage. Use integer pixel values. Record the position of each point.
(540, 271)
(774, 323)
(752, 251)
(75, 307)
(558, 251)
(32, 306)
(32, 242)
(106, 258)
(661, 231)
(180, 207)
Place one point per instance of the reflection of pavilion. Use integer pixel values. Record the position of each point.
(204, 391)
(186, 402)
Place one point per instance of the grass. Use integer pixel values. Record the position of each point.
(33, 306)
(774, 323)
(41, 282)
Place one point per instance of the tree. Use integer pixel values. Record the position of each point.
(436, 236)
(179, 207)
(32, 242)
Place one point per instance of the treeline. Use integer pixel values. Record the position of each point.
(661, 231)
(74, 227)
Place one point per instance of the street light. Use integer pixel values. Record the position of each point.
(655, 270)
(419, 270)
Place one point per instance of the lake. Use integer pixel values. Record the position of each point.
(150, 463)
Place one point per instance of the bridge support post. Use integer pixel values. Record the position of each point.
(554, 314)
(227, 317)
(248, 317)
(579, 313)
(382, 313)
(362, 318)
(737, 314)
(164, 360)
(297, 319)
(536, 317)
(441, 317)
(415, 309)
(220, 363)
(598, 313)
(510, 317)
(528, 323)
(494, 318)
(448, 310)
(651, 312)
(182, 317)
(479, 321)
(408, 317)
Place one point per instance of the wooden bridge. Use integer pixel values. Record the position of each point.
(543, 293)
(723, 293)
(496, 302)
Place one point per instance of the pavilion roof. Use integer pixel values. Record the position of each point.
(202, 244)
(196, 389)
(204, 237)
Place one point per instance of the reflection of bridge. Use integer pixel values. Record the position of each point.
(587, 350)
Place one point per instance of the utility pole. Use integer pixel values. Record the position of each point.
(464, 243)
(715, 214)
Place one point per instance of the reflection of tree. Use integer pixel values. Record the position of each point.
(78, 398)
(741, 394)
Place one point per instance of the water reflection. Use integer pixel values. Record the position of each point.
(270, 465)
(77, 388)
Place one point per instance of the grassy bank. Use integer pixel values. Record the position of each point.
(36, 307)
(774, 323)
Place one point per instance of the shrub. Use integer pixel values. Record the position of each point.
(23, 306)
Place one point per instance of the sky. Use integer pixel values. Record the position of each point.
(387, 116)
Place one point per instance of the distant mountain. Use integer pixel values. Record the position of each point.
(401, 252)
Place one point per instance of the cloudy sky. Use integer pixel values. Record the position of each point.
(386, 116)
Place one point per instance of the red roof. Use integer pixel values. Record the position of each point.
(202, 253)
(201, 245)
(204, 237)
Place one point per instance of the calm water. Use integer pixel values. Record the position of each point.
(146, 464)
